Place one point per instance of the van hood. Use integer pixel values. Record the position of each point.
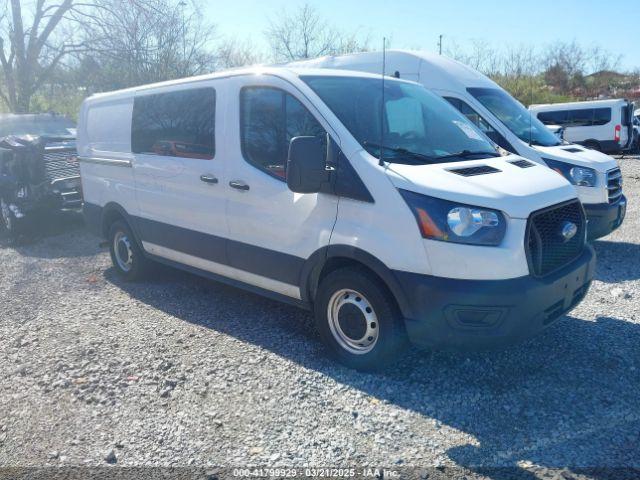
(579, 155)
(514, 190)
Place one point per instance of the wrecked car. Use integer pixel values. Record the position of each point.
(39, 168)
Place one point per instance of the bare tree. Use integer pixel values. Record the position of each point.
(602, 60)
(232, 53)
(571, 57)
(142, 41)
(480, 56)
(569, 68)
(32, 45)
(520, 61)
(304, 34)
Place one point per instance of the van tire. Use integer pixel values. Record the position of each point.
(371, 317)
(127, 257)
(8, 220)
(593, 145)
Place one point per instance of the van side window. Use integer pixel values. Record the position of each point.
(554, 118)
(585, 117)
(175, 124)
(601, 116)
(581, 118)
(270, 118)
(479, 121)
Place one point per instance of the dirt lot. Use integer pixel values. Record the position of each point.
(184, 371)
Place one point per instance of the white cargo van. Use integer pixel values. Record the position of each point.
(596, 176)
(391, 219)
(604, 125)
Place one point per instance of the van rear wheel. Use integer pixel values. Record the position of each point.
(593, 145)
(358, 320)
(126, 256)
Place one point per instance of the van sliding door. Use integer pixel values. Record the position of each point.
(179, 175)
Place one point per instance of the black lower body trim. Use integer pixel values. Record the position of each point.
(198, 244)
(604, 218)
(264, 262)
(231, 282)
(249, 258)
(465, 314)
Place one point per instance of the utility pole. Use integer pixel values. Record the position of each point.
(440, 44)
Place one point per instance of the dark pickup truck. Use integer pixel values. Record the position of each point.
(39, 168)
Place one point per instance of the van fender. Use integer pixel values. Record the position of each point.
(310, 274)
(97, 218)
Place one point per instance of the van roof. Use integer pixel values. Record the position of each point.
(285, 72)
(436, 71)
(585, 104)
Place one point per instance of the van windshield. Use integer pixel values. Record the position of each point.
(518, 119)
(417, 126)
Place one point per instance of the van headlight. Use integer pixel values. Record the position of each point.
(584, 177)
(454, 222)
(580, 176)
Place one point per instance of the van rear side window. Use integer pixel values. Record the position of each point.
(175, 124)
(585, 117)
(270, 118)
(601, 116)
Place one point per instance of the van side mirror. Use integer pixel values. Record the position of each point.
(307, 164)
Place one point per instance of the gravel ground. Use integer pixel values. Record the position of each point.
(183, 371)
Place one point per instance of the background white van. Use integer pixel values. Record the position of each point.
(596, 176)
(605, 125)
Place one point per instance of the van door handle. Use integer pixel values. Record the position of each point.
(208, 178)
(238, 185)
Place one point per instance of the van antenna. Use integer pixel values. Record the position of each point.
(530, 112)
(384, 66)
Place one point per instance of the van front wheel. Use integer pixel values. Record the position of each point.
(358, 320)
(8, 220)
(126, 255)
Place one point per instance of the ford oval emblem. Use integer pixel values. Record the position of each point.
(569, 230)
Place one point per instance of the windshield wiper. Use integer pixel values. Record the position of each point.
(468, 153)
(401, 151)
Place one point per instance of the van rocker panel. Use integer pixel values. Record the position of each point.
(453, 313)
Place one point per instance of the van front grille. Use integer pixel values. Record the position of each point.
(614, 185)
(61, 164)
(549, 244)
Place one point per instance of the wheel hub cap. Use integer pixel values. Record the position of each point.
(352, 321)
(123, 251)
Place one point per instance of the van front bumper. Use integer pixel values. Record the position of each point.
(604, 218)
(476, 314)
